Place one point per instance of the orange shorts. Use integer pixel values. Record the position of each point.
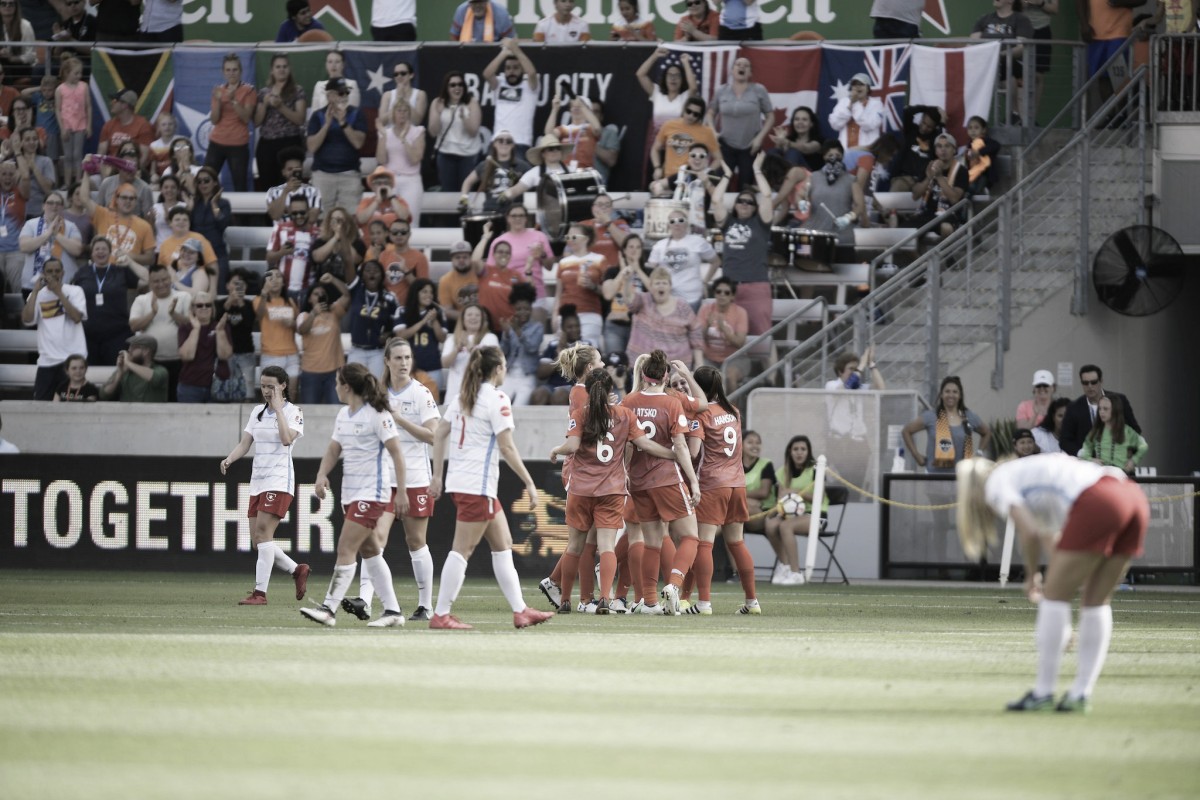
(366, 512)
(419, 504)
(602, 512)
(630, 512)
(1110, 518)
(662, 503)
(276, 503)
(475, 507)
(722, 506)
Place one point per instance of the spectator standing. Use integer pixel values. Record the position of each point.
(278, 120)
(608, 144)
(580, 275)
(105, 287)
(321, 353)
(404, 93)
(481, 21)
(183, 165)
(424, 327)
(15, 28)
(676, 83)
(50, 236)
(162, 21)
(291, 164)
(211, 215)
(496, 280)
(58, 311)
(1007, 22)
(12, 217)
(290, 249)
(531, 250)
(7, 94)
(75, 25)
(399, 149)
(131, 237)
(631, 261)
(662, 321)
(1105, 28)
(335, 134)
(454, 120)
(858, 117)
(137, 379)
(276, 315)
(516, 93)
(470, 335)
(554, 387)
(394, 20)
(739, 21)
(949, 430)
(126, 172)
(1081, 414)
(45, 120)
(682, 254)
(1039, 13)
(402, 264)
(74, 111)
(339, 249)
(980, 156)
(700, 24)
(374, 316)
(897, 19)
(579, 135)
(610, 230)
(202, 342)
(521, 340)
(746, 236)
(744, 117)
(160, 313)
(723, 326)
(563, 26)
(1030, 413)
(335, 70)
(835, 198)
(240, 320)
(299, 21)
(381, 202)
(124, 125)
(458, 286)
(77, 388)
(632, 26)
(78, 197)
(676, 137)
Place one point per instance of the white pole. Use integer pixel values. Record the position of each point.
(814, 519)
(1010, 531)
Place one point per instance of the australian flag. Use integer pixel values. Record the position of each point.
(887, 67)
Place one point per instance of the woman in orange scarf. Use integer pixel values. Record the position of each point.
(949, 430)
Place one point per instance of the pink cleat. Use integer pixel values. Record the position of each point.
(300, 576)
(530, 617)
(448, 622)
(256, 598)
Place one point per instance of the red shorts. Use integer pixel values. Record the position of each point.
(419, 504)
(475, 507)
(662, 503)
(367, 512)
(722, 506)
(276, 503)
(602, 512)
(1110, 518)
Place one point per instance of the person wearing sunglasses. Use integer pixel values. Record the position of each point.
(516, 93)
(402, 263)
(1083, 411)
(579, 134)
(746, 237)
(405, 93)
(394, 20)
(580, 276)
(202, 341)
(290, 249)
(498, 173)
(336, 132)
(700, 24)
(676, 137)
(299, 22)
(125, 125)
(131, 237)
(682, 253)
(211, 215)
(454, 119)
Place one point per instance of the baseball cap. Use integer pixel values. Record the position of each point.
(337, 85)
(1043, 377)
(143, 340)
(616, 359)
(460, 247)
(861, 77)
(193, 244)
(1022, 433)
(126, 96)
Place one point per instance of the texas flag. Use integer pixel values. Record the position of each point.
(790, 74)
(960, 80)
(886, 66)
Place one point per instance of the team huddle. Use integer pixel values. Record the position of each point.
(680, 447)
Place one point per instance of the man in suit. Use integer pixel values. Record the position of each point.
(1081, 414)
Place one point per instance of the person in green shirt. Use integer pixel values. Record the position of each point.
(1111, 441)
(137, 379)
(797, 477)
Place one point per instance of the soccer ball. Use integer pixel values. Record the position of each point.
(791, 505)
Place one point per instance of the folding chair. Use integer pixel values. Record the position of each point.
(831, 529)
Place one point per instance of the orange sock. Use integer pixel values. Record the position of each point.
(622, 555)
(608, 571)
(650, 562)
(570, 565)
(689, 580)
(685, 556)
(556, 573)
(745, 567)
(637, 579)
(703, 569)
(667, 557)
(587, 573)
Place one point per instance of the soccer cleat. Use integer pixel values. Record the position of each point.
(565, 608)
(1081, 705)
(793, 579)
(602, 606)
(422, 614)
(655, 610)
(448, 622)
(1032, 702)
(256, 598)
(390, 619)
(530, 617)
(619, 606)
(356, 606)
(706, 611)
(300, 577)
(589, 607)
(322, 615)
(552, 591)
(749, 609)
(685, 606)
(637, 607)
(670, 598)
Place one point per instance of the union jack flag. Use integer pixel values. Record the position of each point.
(711, 64)
(886, 66)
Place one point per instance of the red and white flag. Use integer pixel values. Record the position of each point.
(790, 74)
(960, 80)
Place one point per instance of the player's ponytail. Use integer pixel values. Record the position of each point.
(482, 365)
(638, 363)
(573, 362)
(365, 385)
(654, 369)
(599, 386)
(710, 382)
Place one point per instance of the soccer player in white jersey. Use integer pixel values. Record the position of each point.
(478, 428)
(273, 428)
(415, 412)
(364, 435)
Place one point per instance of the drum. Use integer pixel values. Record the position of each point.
(809, 250)
(780, 251)
(472, 227)
(565, 198)
(658, 214)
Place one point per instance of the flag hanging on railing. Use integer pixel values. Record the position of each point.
(198, 71)
(791, 76)
(960, 80)
(711, 65)
(886, 66)
(149, 73)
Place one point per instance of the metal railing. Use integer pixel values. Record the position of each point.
(968, 291)
(1175, 66)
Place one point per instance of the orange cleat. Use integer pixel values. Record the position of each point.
(530, 617)
(256, 598)
(300, 576)
(448, 622)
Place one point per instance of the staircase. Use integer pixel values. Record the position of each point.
(964, 296)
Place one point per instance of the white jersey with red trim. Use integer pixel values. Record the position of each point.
(367, 472)
(474, 455)
(1047, 485)
(417, 405)
(273, 469)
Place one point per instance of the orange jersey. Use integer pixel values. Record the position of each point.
(598, 468)
(721, 464)
(661, 417)
(570, 268)
(577, 400)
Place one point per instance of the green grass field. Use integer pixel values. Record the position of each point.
(158, 686)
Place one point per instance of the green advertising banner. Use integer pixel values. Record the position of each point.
(346, 20)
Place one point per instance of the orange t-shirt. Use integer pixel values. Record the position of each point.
(451, 284)
(397, 265)
(721, 464)
(132, 235)
(494, 287)
(661, 417)
(582, 140)
(116, 134)
(677, 136)
(278, 327)
(598, 468)
(388, 216)
(169, 250)
(604, 244)
(230, 130)
(570, 268)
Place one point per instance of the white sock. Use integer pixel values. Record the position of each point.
(454, 572)
(422, 564)
(506, 576)
(1051, 633)
(1095, 632)
(366, 588)
(283, 560)
(338, 584)
(381, 578)
(262, 567)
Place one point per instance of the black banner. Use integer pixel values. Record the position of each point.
(103, 512)
(603, 73)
